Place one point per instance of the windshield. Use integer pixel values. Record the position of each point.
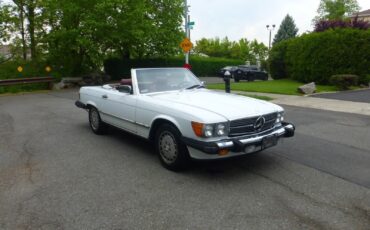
(160, 80)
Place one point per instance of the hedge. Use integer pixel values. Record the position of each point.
(201, 66)
(277, 60)
(318, 56)
(8, 70)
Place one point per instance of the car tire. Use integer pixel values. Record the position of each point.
(172, 153)
(236, 79)
(96, 124)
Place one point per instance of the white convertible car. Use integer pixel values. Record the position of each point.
(171, 107)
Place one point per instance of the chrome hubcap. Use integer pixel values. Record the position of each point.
(94, 119)
(168, 147)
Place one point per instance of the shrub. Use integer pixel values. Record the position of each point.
(315, 57)
(344, 81)
(324, 25)
(201, 66)
(365, 80)
(277, 65)
(8, 70)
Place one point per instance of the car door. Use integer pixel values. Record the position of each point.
(119, 109)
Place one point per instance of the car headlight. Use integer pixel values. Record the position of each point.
(209, 130)
(220, 129)
(280, 117)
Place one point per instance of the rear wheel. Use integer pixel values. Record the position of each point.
(172, 153)
(236, 79)
(96, 124)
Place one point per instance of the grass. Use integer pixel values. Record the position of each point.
(283, 86)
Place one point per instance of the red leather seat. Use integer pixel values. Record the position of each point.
(126, 82)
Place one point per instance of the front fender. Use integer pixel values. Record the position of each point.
(91, 103)
(168, 118)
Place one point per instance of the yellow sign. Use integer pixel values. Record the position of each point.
(186, 45)
(20, 69)
(48, 69)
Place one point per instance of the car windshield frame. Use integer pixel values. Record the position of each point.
(159, 80)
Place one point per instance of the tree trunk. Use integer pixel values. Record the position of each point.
(24, 46)
(31, 28)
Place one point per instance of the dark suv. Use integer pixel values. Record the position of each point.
(231, 70)
(249, 73)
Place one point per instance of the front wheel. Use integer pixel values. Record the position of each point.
(172, 153)
(96, 124)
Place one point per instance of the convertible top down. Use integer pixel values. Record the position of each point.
(171, 107)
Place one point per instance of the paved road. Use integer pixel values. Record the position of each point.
(56, 174)
(357, 96)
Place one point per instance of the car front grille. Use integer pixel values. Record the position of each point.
(247, 126)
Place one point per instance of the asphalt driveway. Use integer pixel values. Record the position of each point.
(357, 96)
(56, 174)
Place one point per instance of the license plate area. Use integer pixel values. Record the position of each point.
(269, 141)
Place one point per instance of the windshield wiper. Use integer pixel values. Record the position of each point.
(195, 86)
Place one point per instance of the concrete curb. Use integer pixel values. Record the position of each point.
(316, 103)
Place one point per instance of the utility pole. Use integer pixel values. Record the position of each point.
(270, 29)
(187, 29)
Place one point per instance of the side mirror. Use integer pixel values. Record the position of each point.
(203, 83)
(125, 89)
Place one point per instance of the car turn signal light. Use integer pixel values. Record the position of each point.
(223, 152)
(197, 128)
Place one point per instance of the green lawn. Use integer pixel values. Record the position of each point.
(283, 86)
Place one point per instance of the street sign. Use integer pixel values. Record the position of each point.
(191, 23)
(20, 69)
(186, 45)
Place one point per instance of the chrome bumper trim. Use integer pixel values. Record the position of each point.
(278, 132)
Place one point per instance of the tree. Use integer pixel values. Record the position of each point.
(258, 50)
(242, 49)
(336, 9)
(76, 36)
(82, 33)
(286, 30)
(5, 22)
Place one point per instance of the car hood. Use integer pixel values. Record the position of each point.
(229, 106)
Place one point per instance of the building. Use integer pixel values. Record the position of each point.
(5, 51)
(363, 15)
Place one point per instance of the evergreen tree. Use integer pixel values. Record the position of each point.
(286, 30)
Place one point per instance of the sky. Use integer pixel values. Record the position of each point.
(248, 18)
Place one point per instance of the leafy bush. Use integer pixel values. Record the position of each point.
(201, 66)
(8, 70)
(344, 81)
(277, 65)
(317, 56)
(365, 80)
(324, 25)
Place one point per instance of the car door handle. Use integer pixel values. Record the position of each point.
(104, 96)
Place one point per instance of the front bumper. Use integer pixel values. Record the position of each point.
(237, 146)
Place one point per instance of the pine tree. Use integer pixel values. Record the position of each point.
(286, 30)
